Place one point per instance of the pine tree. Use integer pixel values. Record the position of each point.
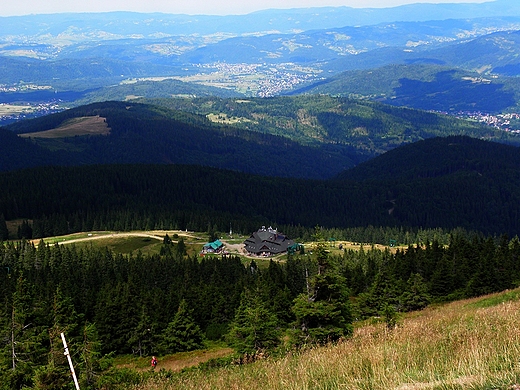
(255, 327)
(56, 375)
(24, 230)
(91, 360)
(182, 333)
(141, 338)
(416, 296)
(25, 337)
(4, 232)
(180, 250)
(323, 314)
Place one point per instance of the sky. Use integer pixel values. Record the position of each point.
(194, 7)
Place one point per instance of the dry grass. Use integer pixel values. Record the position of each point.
(458, 346)
(89, 125)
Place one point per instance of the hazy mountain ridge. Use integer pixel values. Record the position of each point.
(425, 86)
(109, 25)
(84, 52)
(271, 46)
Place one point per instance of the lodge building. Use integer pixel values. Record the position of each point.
(267, 242)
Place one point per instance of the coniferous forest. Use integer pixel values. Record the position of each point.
(109, 304)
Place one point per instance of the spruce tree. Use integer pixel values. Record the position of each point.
(182, 333)
(416, 296)
(141, 338)
(56, 375)
(25, 339)
(255, 326)
(323, 314)
(91, 361)
(4, 232)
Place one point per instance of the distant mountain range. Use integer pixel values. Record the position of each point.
(52, 62)
(116, 25)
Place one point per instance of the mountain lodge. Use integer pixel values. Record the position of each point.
(267, 242)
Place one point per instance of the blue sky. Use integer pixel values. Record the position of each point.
(214, 7)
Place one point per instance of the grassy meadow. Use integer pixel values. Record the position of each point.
(91, 125)
(147, 242)
(471, 344)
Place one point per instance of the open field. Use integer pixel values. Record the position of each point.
(148, 242)
(225, 119)
(470, 344)
(90, 125)
(12, 109)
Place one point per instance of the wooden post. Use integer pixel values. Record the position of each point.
(66, 353)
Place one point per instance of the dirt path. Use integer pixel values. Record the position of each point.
(156, 235)
(180, 361)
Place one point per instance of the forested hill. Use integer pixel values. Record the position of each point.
(304, 136)
(137, 133)
(312, 137)
(16, 153)
(479, 191)
(461, 179)
(440, 157)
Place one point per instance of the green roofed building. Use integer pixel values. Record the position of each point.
(213, 247)
(267, 242)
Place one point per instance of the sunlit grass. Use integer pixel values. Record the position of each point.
(457, 346)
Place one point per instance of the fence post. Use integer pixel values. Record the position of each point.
(66, 353)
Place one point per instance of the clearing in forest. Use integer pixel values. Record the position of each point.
(86, 125)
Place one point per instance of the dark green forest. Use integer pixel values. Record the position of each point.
(365, 125)
(109, 304)
(446, 183)
(154, 135)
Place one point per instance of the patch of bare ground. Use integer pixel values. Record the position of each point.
(183, 360)
(86, 125)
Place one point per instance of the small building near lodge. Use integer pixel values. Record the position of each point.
(213, 247)
(267, 242)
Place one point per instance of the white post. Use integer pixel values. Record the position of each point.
(66, 353)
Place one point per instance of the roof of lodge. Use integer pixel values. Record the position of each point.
(267, 240)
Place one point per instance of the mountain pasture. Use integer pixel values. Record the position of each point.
(147, 242)
(87, 125)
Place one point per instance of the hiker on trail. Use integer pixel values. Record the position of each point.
(154, 362)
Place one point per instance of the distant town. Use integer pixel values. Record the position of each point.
(507, 122)
(261, 80)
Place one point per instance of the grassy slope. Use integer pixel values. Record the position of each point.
(471, 344)
(147, 242)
